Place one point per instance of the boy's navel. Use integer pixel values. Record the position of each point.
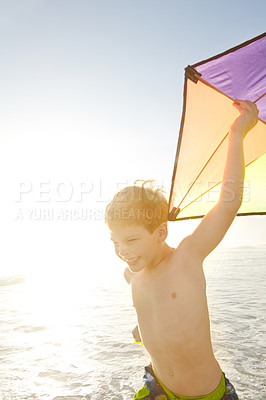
(173, 295)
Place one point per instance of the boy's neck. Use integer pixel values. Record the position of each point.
(164, 252)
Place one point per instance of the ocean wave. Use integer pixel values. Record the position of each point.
(12, 280)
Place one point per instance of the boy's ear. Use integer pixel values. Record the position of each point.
(162, 231)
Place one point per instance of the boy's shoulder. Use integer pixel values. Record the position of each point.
(184, 254)
(184, 248)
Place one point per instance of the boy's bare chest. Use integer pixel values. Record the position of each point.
(174, 301)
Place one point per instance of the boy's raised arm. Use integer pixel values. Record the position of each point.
(215, 224)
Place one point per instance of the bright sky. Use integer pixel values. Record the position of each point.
(91, 99)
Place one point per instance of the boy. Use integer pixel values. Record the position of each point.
(168, 285)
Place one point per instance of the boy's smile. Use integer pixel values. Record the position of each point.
(137, 246)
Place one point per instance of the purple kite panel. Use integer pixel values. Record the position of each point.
(240, 73)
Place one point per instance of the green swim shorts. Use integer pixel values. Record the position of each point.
(153, 389)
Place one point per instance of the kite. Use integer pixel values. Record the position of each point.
(210, 88)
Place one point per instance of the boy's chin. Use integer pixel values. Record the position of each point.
(136, 266)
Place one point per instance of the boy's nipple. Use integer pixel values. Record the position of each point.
(173, 295)
(171, 372)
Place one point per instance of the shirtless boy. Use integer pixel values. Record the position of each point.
(168, 285)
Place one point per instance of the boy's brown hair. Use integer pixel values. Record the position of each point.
(143, 205)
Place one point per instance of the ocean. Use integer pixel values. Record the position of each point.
(68, 339)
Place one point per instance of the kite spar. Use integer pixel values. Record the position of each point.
(210, 88)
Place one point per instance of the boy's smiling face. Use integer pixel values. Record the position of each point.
(137, 246)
